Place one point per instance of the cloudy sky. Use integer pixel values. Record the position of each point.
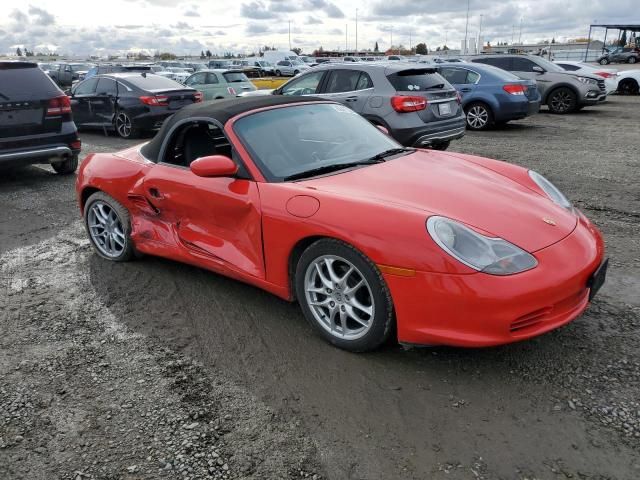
(91, 27)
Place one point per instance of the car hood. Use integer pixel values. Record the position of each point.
(442, 184)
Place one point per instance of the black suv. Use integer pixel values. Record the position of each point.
(36, 125)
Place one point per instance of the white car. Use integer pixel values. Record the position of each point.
(629, 82)
(179, 74)
(610, 75)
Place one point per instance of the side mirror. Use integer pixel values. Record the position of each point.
(214, 166)
(538, 69)
(383, 129)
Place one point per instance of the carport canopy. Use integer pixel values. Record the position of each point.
(620, 27)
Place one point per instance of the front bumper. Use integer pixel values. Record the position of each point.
(593, 97)
(478, 310)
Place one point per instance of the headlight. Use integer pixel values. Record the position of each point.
(551, 190)
(494, 256)
(588, 81)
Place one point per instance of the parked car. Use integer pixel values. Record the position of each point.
(491, 95)
(610, 75)
(395, 58)
(36, 123)
(620, 55)
(415, 104)
(310, 61)
(285, 68)
(129, 103)
(219, 84)
(265, 67)
(313, 204)
(275, 56)
(563, 92)
(180, 74)
(67, 73)
(628, 82)
(218, 63)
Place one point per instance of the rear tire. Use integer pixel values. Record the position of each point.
(296, 72)
(632, 60)
(479, 116)
(108, 226)
(604, 61)
(66, 167)
(278, 74)
(562, 100)
(442, 146)
(344, 296)
(628, 86)
(124, 126)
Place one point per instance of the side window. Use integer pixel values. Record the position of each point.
(342, 81)
(106, 86)
(523, 65)
(195, 140)
(305, 85)
(472, 77)
(568, 67)
(212, 79)
(364, 81)
(67, 68)
(454, 76)
(87, 87)
(500, 62)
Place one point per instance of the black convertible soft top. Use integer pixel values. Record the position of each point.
(219, 110)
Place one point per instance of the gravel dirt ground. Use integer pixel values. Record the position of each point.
(154, 369)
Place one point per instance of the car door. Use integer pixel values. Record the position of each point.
(216, 85)
(103, 103)
(216, 219)
(80, 101)
(197, 81)
(461, 80)
(350, 87)
(524, 68)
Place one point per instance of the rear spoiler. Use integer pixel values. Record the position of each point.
(415, 71)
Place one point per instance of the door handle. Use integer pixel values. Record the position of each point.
(465, 90)
(155, 193)
(351, 99)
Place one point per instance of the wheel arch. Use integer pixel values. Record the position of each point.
(85, 193)
(296, 252)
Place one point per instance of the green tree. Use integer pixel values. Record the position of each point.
(553, 40)
(376, 49)
(297, 50)
(208, 53)
(421, 49)
(19, 51)
(623, 39)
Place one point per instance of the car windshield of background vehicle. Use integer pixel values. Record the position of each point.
(288, 141)
(416, 80)
(235, 77)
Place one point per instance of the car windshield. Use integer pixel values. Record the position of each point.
(296, 140)
(548, 66)
(297, 62)
(81, 66)
(152, 83)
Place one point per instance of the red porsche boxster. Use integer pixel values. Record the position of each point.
(308, 200)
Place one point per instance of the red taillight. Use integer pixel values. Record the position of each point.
(75, 145)
(514, 89)
(408, 103)
(606, 74)
(231, 90)
(197, 97)
(155, 100)
(458, 98)
(59, 106)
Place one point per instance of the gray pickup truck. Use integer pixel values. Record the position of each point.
(68, 73)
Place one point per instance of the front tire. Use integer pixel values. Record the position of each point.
(344, 296)
(124, 126)
(108, 225)
(562, 100)
(296, 72)
(479, 116)
(66, 167)
(632, 60)
(604, 61)
(278, 74)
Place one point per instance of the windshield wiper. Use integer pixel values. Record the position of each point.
(331, 168)
(439, 85)
(390, 152)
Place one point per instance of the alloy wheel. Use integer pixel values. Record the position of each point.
(106, 230)
(477, 117)
(561, 101)
(123, 125)
(339, 297)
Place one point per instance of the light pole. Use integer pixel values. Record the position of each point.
(346, 38)
(520, 36)
(289, 35)
(480, 35)
(356, 31)
(391, 41)
(466, 30)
